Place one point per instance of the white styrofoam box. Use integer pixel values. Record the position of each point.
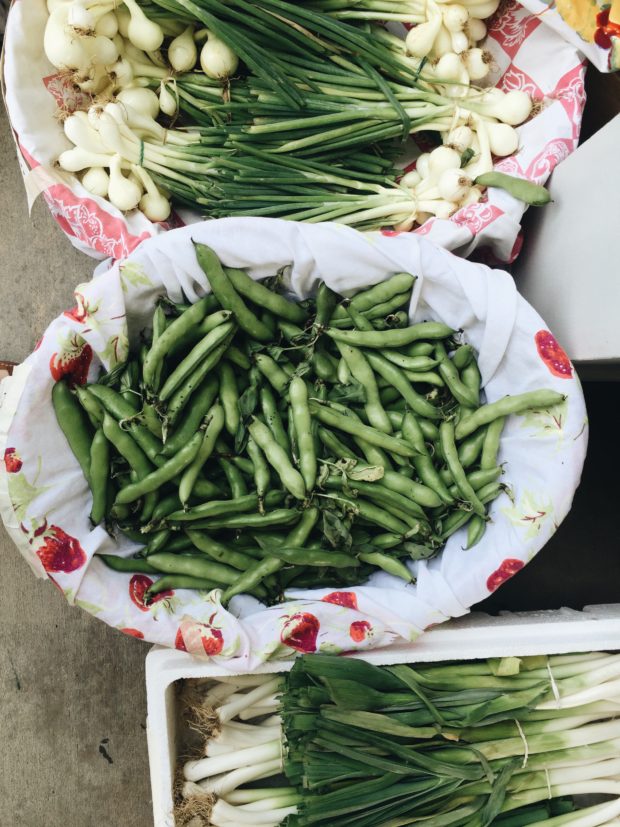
(569, 270)
(596, 628)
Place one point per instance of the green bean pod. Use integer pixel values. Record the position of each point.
(490, 446)
(218, 551)
(74, 424)
(278, 458)
(202, 400)
(272, 371)
(328, 416)
(469, 450)
(279, 516)
(462, 356)
(157, 542)
(262, 476)
(477, 479)
(326, 301)
(234, 478)
(227, 296)
(205, 489)
(177, 328)
(534, 194)
(298, 394)
(93, 408)
(387, 308)
(391, 565)
(99, 475)
(169, 471)
(393, 374)
(299, 556)
(197, 566)
(174, 582)
(387, 540)
(418, 364)
(394, 320)
(214, 425)
(269, 407)
(506, 406)
(220, 333)
(430, 477)
(131, 565)
(238, 357)
(446, 435)
(261, 296)
(122, 411)
(219, 508)
(229, 397)
(475, 531)
(382, 292)
(420, 494)
(128, 448)
(391, 338)
(270, 565)
(182, 396)
(450, 375)
(362, 371)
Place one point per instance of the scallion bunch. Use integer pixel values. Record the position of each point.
(499, 742)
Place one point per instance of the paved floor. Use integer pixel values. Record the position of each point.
(72, 699)
(72, 706)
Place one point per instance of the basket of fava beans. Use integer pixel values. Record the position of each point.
(253, 436)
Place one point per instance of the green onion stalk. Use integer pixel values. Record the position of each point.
(312, 131)
(505, 742)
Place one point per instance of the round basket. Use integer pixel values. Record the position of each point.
(526, 53)
(45, 499)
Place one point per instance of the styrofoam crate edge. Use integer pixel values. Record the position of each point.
(476, 635)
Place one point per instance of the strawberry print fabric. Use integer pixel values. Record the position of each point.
(45, 500)
(527, 55)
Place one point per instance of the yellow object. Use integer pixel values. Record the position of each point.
(581, 16)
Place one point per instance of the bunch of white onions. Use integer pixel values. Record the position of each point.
(237, 754)
(443, 180)
(111, 52)
(452, 28)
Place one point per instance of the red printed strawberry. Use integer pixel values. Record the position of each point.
(60, 552)
(300, 632)
(212, 641)
(73, 362)
(12, 462)
(138, 587)
(347, 599)
(179, 643)
(507, 569)
(359, 630)
(553, 355)
(133, 632)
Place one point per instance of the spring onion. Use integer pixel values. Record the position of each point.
(504, 742)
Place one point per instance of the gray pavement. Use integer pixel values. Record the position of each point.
(72, 694)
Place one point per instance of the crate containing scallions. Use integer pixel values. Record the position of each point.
(304, 111)
(503, 721)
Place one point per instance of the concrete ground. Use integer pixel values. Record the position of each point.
(72, 696)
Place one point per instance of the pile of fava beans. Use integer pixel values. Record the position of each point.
(255, 444)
